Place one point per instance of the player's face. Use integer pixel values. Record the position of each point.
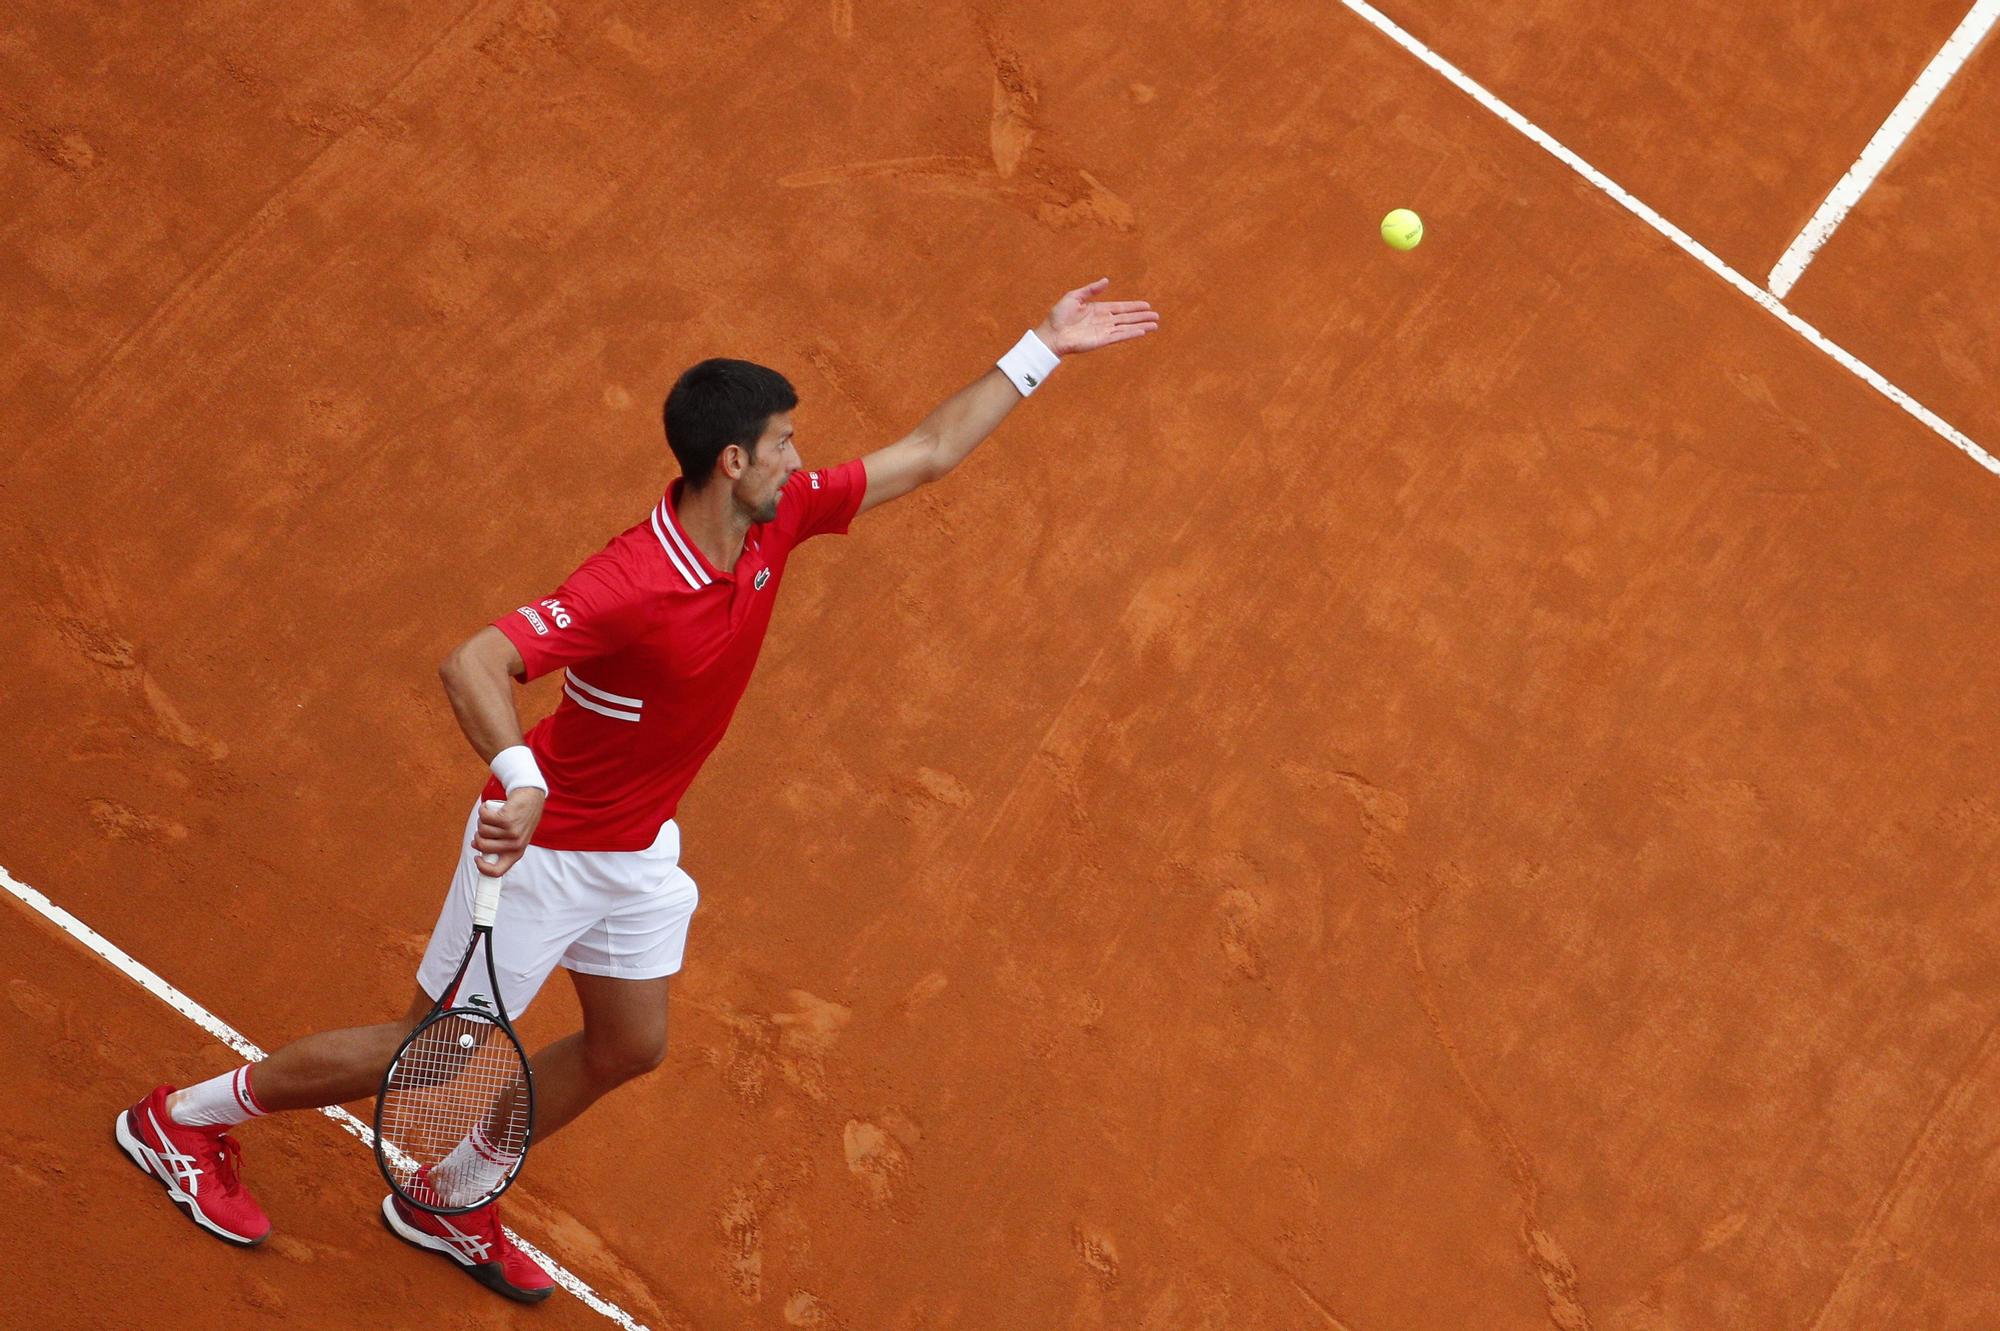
(775, 460)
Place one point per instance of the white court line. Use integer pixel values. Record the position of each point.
(1944, 66)
(230, 1036)
(1540, 137)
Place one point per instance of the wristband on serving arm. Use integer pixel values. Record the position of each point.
(1028, 363)
(516, 767)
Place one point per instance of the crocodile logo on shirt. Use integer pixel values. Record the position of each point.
(763, 576)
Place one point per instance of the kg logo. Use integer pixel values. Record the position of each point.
(763, 576)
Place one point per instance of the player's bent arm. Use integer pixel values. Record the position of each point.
(1077, 323)
(479, 679)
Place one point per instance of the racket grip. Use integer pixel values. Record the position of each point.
(486, 905)
(486, 902)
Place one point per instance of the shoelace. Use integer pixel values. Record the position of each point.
(228, 1163)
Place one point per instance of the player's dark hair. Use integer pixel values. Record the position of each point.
(718, 403)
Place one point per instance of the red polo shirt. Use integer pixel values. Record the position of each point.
(658, 646)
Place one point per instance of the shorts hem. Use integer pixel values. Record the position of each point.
(621, 972)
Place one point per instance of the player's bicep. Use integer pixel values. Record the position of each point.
(898, 469)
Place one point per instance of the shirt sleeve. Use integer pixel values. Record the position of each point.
(597, 610)
(820, 503)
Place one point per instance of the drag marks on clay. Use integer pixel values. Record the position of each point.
(1645, 1311)
(1056, 196)
(1966, 1115)
(840, 375)
(583, 1251)
(1017, 171)
(529, 34)
(841, 14)
(1546, 1256)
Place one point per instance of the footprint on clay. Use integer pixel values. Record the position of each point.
(805, 1037)
(1241, 911)
(943, 787)
(742, 1229)
(1097, 1253)
(97, 642)
(1013, 122)
(33, 1003)
(804, 1308)
(875, 1157)
(121, 822)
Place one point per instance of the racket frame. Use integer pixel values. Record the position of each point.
(485, 909)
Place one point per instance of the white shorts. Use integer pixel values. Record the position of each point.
(622, 913)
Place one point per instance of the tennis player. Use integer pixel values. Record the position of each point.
(656, 635)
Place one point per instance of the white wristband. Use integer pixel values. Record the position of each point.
(516, 767)
(1028, 363)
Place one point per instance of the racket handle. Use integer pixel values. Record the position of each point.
(486, 903)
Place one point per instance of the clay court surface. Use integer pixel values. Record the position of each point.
(1444, 791)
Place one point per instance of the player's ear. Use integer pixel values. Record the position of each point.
(732, 460)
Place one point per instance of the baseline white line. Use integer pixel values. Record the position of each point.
(1376, 19)
(1944, 66)
(148, 980)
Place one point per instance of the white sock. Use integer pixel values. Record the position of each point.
(473, 1169)
(219, 1102)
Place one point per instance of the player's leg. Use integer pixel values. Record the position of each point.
(329, 1068)
(624, 1036)
(620, 968)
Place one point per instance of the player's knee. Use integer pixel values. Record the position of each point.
(627, 1057)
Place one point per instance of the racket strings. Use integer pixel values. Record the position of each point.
(458, 1087)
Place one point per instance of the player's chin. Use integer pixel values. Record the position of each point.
(769, 513)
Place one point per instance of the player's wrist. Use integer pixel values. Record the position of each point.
(515, 766)
(1030, 361)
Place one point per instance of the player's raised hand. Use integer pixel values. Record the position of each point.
(506, 828)
(1080, 322)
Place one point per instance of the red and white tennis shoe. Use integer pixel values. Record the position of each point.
(474, 1240)
(201, 1169)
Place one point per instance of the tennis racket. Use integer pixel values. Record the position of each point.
(457, 1105)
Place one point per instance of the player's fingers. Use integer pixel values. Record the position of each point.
(1090, 289)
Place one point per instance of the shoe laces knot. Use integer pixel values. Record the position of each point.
(228, 1163)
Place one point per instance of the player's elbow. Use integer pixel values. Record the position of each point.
(470, 659)
(451, 670)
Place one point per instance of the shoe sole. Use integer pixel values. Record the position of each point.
(486, 1273)
(141, 1157)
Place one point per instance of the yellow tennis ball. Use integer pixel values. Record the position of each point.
(1402, 229)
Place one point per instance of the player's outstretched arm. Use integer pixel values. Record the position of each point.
(1079, 322)
(479, 679)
